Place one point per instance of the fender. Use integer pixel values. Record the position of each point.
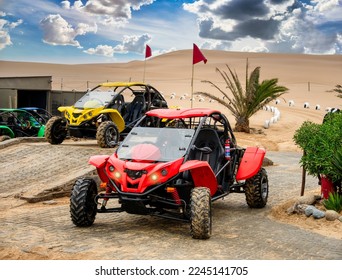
(98, 161)
(116, 118)
(201, 173)
(41, 131)
(7, 131)
(251, 163)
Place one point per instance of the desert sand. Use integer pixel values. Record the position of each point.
(310, 78)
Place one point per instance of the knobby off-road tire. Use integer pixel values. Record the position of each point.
(83, 208)
(200, 213)
(55, 130)
(107, 135)
(256, 190)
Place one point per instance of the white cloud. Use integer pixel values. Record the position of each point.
(325, 5)
(103, 50)
(5, 39)
(5, 28)
(133, 43)
(274, 25)
(109, 12)
(57, 31)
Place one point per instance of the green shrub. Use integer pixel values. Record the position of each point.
(320, 143)
(334, 202)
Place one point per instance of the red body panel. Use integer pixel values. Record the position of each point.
(98, 161)
(251, 163)
(153, 173)
(181, 113)
(201, 173)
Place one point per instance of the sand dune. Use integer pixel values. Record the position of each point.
(310, 78)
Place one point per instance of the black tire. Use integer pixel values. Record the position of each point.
(107, 135)
(56, 130)
(83, 208)
(4, 138)
(200, 213)
(256, 190)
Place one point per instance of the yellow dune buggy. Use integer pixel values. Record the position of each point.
(107, 112)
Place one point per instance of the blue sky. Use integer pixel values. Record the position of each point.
(96, 31)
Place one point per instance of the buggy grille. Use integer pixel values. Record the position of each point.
(76, 115)
(135, 174)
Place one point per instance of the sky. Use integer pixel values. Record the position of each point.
(102, 31)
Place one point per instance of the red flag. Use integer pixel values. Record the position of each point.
(148, 51)
(198, 56)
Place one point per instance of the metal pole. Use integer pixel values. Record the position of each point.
(192, 85)
(303, 179)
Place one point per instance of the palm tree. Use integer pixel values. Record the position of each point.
(245, 102)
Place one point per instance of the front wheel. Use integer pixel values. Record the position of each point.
(200, 213)
(56, 130)
(83, 208)
(107, 135)
(256, 190)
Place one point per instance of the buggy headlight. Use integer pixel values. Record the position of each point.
(154, 177)
(117, 175)
(67, 115)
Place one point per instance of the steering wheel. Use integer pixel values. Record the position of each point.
(26, 125)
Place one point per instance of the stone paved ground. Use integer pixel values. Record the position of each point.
(44, 231)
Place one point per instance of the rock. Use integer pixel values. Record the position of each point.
(309, 210)
(340, 219)
(309, 199)
(291, 210)
(331, 215)
(301, 208)
(267, 162)
(318, 214)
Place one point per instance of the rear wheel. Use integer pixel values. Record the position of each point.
(83, 208)
(56, 130)
(200, 213)
(107, 135)
(256, 190)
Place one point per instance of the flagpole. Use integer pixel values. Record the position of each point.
(192, 84)
(144, 70)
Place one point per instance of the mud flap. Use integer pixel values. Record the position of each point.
(201, 173)
(251, 163)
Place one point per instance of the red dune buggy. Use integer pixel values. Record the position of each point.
(174, 163)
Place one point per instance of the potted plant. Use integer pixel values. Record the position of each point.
(319, 143)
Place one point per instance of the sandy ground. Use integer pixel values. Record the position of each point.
(309, 79)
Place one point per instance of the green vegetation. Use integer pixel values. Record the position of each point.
(321, 144)
(245, 102)
(333, 202)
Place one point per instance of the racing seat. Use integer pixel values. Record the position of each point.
(136, 109)
(208, 138)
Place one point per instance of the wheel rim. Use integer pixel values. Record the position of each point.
(111, 136)
(264, 189)
(58, 130)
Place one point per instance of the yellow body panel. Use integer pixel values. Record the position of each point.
(121, 84)
(77, 116)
